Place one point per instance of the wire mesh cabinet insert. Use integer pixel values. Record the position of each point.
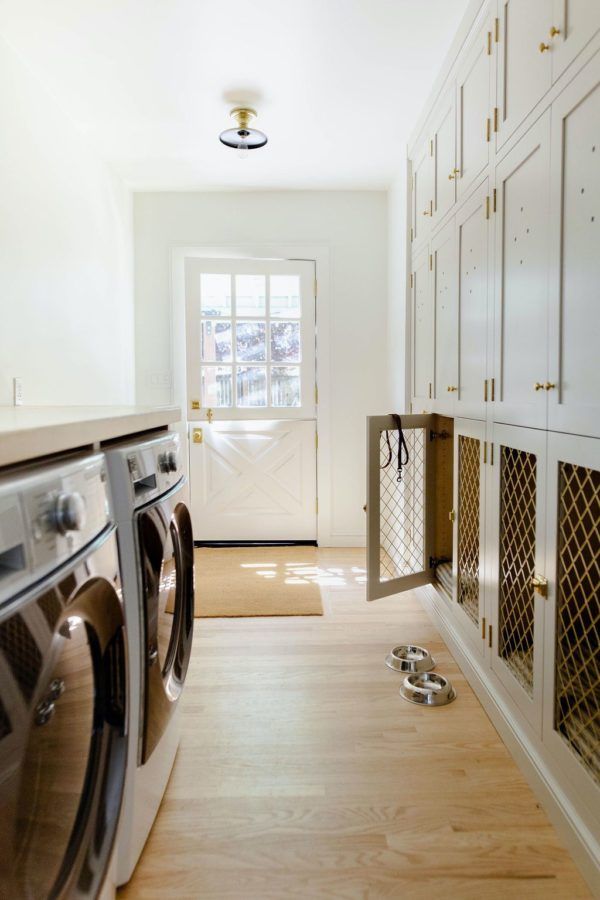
(517, 579)
(405, 540)
(572, 645)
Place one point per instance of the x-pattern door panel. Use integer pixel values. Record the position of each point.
(254, 481)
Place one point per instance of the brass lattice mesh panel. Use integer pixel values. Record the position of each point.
(577, 701)
(517, 563)
(468, 525)
(402, 507)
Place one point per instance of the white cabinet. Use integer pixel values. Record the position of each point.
(422, 328)
(445, 292)
(472, 230)
(574, 370)
(474, 122)
(522, 183)
(573, 25)
(516, 523)
(444, 155)
(422, 194)
(469, 531)
(571, 650)
(525, 65)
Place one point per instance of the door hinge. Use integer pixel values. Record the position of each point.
(483, 629)
(489, 43)
(488, 127)
(495, 118)
(496, 30)
(431, 262)
(489, 635)
(487, 207)
(494, 200)
(411, 234)
(411, 280)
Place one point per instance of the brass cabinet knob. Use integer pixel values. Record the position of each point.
(554, 31)
(209, 416)
(453, 174)
(543, 47)
(451, 388)
(426, 212)
(549, 385)
(540, 585)
(538, 386)
(451, 177)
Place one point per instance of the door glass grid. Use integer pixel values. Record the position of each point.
(251, 341)
(402, 506)
(577, 660)
(468, 526)
(517, 563)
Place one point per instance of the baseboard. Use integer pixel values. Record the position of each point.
(583, 845)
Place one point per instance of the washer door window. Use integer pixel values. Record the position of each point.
(167, 552)
(63, 744)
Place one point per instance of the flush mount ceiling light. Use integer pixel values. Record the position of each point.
(243, 138)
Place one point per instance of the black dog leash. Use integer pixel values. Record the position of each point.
(402, 447)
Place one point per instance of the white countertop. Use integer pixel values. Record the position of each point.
(27, 432)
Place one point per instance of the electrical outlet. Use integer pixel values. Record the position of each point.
(17, 392)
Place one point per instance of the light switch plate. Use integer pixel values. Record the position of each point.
(17, 392)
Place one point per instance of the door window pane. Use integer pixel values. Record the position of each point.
(215, 295)
(250, 295)
(216, 341)
(251, 343)
(285, 296)
(285, 341)
(285, 386)
(216, 384)
(251, 386)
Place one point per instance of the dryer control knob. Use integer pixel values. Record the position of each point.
(69, 512)
(172, 460)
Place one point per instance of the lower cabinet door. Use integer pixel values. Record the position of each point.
(516, 524)
(571, 729)
(469, 531)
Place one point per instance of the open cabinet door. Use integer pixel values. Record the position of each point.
(402, 537)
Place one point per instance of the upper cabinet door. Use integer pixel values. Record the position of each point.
(574, 24)
(422, 197)
(525, 67)
(574, 372)
(444, 157)
(445, 292)
(474, 122)
(472, 225)
(422, 330)
(521, 290)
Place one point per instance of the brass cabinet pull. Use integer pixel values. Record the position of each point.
(549, 385)
(538, 386)
(554, 31)
(543, 47)
(483, 628)
(209, 416)
(540, 585)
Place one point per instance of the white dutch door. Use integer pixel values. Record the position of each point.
(251, 399)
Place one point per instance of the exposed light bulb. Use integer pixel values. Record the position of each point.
(242, 151)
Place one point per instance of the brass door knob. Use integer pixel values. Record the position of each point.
(554, 31)
(543, 47)
(549, 385)
(538, 386)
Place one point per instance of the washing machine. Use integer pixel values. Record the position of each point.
(63, 681)
(156, 551)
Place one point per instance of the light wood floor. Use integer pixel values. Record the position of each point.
(302, 774)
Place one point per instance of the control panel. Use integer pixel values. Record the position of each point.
(47, 515)
(149, 469)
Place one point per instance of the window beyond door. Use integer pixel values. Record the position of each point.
(251, 338)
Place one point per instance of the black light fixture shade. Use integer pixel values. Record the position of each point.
(243, 137)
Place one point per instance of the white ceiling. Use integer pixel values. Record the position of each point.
(338, 84)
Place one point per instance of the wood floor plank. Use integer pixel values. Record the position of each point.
(303, 774)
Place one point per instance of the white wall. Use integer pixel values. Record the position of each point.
(66, 289)
(353, 226)
(398, 322)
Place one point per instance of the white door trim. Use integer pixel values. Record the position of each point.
(320, 253)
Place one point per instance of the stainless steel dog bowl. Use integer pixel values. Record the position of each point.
(427, 689)
(410, 658)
